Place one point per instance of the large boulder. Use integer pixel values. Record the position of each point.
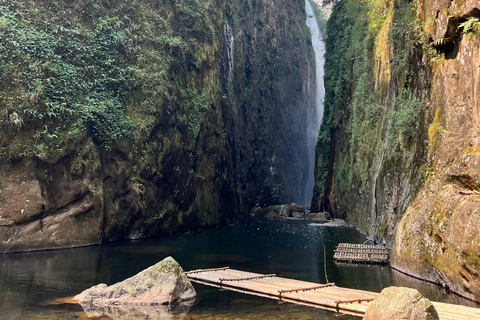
(163, 283)
(402, 304)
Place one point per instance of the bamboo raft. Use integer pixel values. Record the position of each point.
(361, 253)
(324, 296)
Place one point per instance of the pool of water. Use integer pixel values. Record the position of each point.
(292, 249)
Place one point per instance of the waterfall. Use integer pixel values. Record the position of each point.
(315, 114)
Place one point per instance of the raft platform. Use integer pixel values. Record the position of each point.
(324, 296)
(361, 253)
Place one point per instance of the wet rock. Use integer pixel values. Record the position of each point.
(55, 209)
(284, 211)
(401, 303)
(162, 284)
(319, 216)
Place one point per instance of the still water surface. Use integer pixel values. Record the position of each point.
(293, 249)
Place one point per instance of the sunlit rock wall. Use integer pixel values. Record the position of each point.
(397, 153)
(438, 238)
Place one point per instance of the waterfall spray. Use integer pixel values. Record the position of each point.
(316, 113)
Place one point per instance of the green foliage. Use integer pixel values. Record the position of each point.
(195, 19)
(77, 67)
(403, 38)
(471, 25)
(405, 117)
(195, 106)
(347, 82)
(365, 117)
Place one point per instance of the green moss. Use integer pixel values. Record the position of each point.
(167, 209)
(472, 257)
(82, 65)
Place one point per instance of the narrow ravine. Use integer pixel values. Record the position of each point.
(316, 113)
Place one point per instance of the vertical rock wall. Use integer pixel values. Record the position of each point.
(397, 154)
(372, 139)
(272, 74)
(438, 238)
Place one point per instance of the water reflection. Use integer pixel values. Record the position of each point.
(136, 312)
(292, 249)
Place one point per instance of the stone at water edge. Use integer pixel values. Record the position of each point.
(284, 211)
(402, 304)
(319, 216)
(162, 283)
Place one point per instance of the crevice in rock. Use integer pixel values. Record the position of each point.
(463, 180)
(449, 43)
(467, 289)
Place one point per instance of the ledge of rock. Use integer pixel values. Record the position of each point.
(319, 216)
(284, 211)
(401, 303)
(162, 284)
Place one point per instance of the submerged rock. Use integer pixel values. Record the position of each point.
(163, 283)
(284, 211)
(401, 303)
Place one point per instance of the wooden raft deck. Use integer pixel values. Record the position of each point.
(323, 296)
(361, 253)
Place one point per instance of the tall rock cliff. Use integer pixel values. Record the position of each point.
(272, 71)
(397, 153)
(126, 119)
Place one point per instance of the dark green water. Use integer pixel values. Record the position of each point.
(28, 282)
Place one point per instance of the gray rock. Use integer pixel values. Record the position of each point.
(284, 211)
(163, 283)
(402, 304)
(319, 216)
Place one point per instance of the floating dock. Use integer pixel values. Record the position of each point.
(361, 253)
(324, 296)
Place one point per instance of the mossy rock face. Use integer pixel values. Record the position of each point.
(372, 139)
(397, 152)
(121, 120)
(401, 303)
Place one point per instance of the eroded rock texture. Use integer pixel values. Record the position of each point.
(438, 238)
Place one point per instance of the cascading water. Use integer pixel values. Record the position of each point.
(315, 114)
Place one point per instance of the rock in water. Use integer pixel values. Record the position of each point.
(163, 283)
(284, 211)
(402, 304)
(319, 216)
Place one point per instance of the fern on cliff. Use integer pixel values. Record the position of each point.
(471, 25)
